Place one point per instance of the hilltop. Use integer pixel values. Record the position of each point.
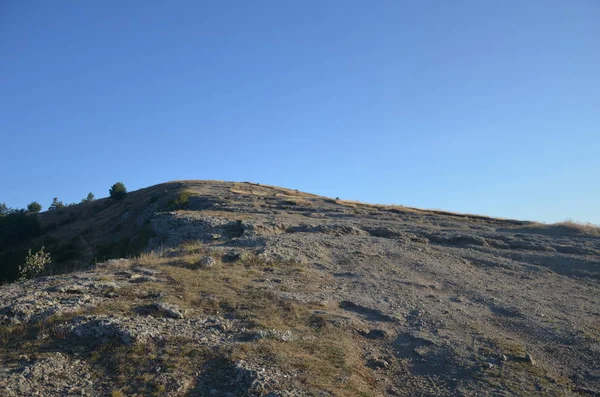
(233, 289)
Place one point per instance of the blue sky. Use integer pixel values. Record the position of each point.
(472, 106)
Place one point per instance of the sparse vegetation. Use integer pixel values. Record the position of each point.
(118, 191)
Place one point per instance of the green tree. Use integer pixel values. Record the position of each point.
(118, 191)
(90, 197)
(34, 206)
(56, 205)
(4, 210)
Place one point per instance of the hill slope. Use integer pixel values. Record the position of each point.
(247, 289)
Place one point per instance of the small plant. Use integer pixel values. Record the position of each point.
(56, 205)
(35, 264)
(118, 191)
(34, 206)
(181, 201)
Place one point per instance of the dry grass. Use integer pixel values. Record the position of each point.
(132, 369)
(321, 362)
(193, 246)
(297, 202)
(322, 356)
(580, 227)
(149, 259)
(565, 227)
(247, 188)
(414, 210)
(230, 287)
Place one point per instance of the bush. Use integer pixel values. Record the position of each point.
(34, 206)
(56, 205)
(35, 264)
(180, 202)
(90, 197)
(118, 191)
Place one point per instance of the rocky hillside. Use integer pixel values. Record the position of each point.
(239, 289)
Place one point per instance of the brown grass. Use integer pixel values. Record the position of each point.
(418, 211)
(149, 259)
(322, 355)
(568, 227)
(580, 227)
(297, 202)
(247, 188)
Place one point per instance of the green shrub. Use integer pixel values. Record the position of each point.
(90, 197)
(35, 264)
(118, 191)
(34, 206)
(56, 205)
(180, 202)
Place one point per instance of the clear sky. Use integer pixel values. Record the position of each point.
(489, 107)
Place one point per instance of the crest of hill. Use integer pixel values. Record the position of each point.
(83, 234)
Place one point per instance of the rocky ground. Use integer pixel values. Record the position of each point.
(253, 290)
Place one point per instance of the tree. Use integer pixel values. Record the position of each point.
(56, 205)
(118, 191)
(4, 210)
(90, 197)
(34, 206)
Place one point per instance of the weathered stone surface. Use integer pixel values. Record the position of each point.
(167, 309)
(53, 374)
(206, 262)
